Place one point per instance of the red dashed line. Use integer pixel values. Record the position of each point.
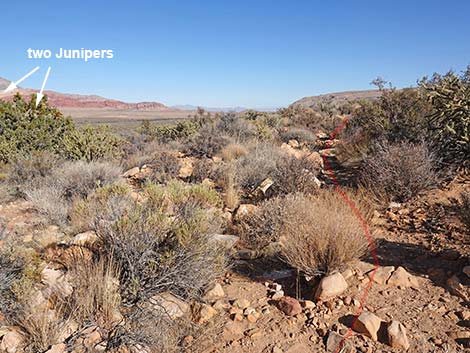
(364, 226)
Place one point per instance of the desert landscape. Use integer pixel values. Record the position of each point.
(337, 224)
(235, 177)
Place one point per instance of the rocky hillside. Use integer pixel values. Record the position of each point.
(336, 98)
(64, 100)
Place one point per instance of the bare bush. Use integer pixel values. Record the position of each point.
(41, 328)
(53, 195)
(261, 228)
(298, 134)
(139, 331)
(288, 173)
(399, 172)
(208, 142)
(10, 272)
(233, 151)
(95, 297)
(37, 164)
(236, 127)
(320, 234)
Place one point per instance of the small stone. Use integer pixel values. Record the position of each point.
(308, 304)
(347, 301)
(334, 342)
(382, 274)
(237, 317)
(464, 315)
(249, 311)
(252, 318)
(170, 305)
(244, 211)
(205, 314)
(85, 239)
(11, 341)
(277, 295)
(403, 279)
(289, 306)
(215, 292)
(397, 337)
(58, 348)
(348, 273)
(241, 303)
(368, 324)
(226, 240)
(131, 172)
(466, 270)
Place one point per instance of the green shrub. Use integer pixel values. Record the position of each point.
(91, 144)
(450, 120)
(165, 133)
(25, 128)
(309, 118)
(157, 250)
(398, 115)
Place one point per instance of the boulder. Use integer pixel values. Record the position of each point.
(403, 279)
(289, 306)
(330, 287)
(368, 324)
(397, 337)
(170, 305)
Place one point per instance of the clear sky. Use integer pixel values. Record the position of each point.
(253, 53)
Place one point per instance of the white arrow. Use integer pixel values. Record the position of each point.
(13, 85)
(40, 96)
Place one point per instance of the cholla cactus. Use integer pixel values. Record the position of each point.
(450, 121)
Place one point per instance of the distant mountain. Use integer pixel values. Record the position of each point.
(337, 98)
(221, 109)
(64, 100)
(3, 83)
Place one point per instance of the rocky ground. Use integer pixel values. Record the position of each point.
(417, 300)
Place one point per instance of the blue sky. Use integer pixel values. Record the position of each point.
(234, 53)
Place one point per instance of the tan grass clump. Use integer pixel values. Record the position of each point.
(320, 234)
